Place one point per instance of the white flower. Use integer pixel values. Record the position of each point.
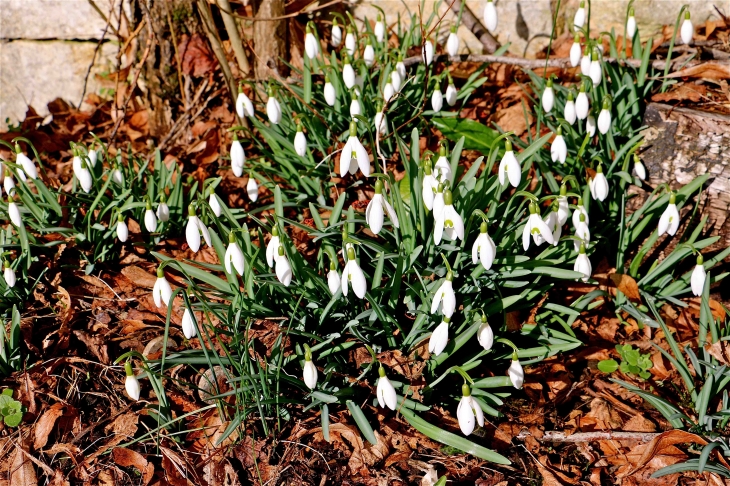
(214, 204)
(244, 106)
(575, 51)
(396, 80)
(329, 92)
(509, 167)
(697, 281)
(188, 325)
(350, 41)
(388, 90)
(558, 149)
(377, 207)
(400, 68)
(300, 142)
(599, 185)
(467, 411)
(443, 166)
(448, 223)
(336, 38)
(639, 168)
(594, 71)
(161, 291)
(536, 227)
(438, 202)
(354, 105)
(583, 264)
(580, 16)
(451, 94)
(233, 258)
(9, 275)
(563, 207)
(580, 209)
(381, 122)
(452, 43)
(439, 337)
(669, 220)
(430, 184)
(333, 279)
(25, 163)
(348, 74)
(352, 275)
(84, 177)
(569, 112)
(428, 52)
(122, 229)
(310, 373)
(283, 268)
(585, 62)
(483, 250)
(548, 96)
(272, 248)
(516, 373)
(553, 223)
(582, 232)
(485, 335)
(445, 297)
(14, 213)
(686, 32)
(385, 391)
(131, 383)
(150, 219)
(591, 125)
(582, 105)
(604, 117)
(437, 100)
(490, 16)
(311, 44)
(238, 157)
(631, 24)
(92, 157)
(379, 29)
(117, 175)
(273, 110)
(194, 229)
(368, 55)
(252, 189)
(354, 155)
(9, 184)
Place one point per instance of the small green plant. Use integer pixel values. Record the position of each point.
(11, 410)
(632, 362)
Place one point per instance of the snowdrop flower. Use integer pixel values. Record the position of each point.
(163, 210)
(117, 175)
(354, 105)
(252, 188)
(582, 232)
(448, 222)
(591, 125)
(234, 256)
(583, 264)
(336, 38)
(329, 91)
(189, 328)
(350, 41)
(25, 163)
(595, 71)
(389, 89)
(150, 218)
(194, 229)
(430, 184)
(558, 149)
(283, 268)
(379, 29)
(244, 106)
(669, 220)
(490, 16)
(381, 121)
(452, 43)
(311, 44)
(300, 141)
(273, 108)
(686, 32)
(122, 229)
(439, 337)
(437, 99)
(131, 383)
(483, 250)
(354, 155)
(310, 371)
(445, 296)
(536, 227)
(428, 52)
(443, 166)
(438, 201)
(368, 54)
(377, 207)
(352, 275)
(485, 335)
(14, 213)
(92, 156)
(84, 176)
(214, 204)
(639, 168)
(604, 117)
(385, 391)
(509, 167)
(697, 281)
(563, 207)
(9, 183)
(580, 16)
(548, 96)
(516, 373)
(585, 61)
(467, 411)
(451, 93)
(272, 247)
(396, 81)
(554, 224)
(575, 51)
(400, 67)
(579, 209)
(599, 185)
(9, 275)
(631, 24)
(238, 157)
(348, 73)
(161, 291)
(333, 278)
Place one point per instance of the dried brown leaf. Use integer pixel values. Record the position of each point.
(45, 425)
(22, 472)
(128, 458)
(626, 284)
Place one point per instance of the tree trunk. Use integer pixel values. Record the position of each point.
(269, 37)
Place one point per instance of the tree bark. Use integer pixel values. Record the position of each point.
(269, 37)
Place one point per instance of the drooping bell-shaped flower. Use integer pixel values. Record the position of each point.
(438, 201)
(451, 93)
(350, 41)
(509, 167)
(189, 328)
(122, 229)
(575, 51)
(583, 264)
(580, 209)
(554, 224)
(558, 149)
(333, 278)
(595, 71)
(400, 67)
(117, 175)
(452, 43)
(9, 183)
(582, 232)
(563, 206)
(569, 112)
(697, 280)
(639, 168)
(430, 184)
(24, 162)
(516, 373)
(283, 267)
(385, 391)
(354, 155)
(439, 337)
(599, 185)
(585, 61)
(273, 108)
(215, 204)
(604, 117)
(388, 89)
(396, 81)
(300, 141)
(194, 229)
(233, 259)
(548, 96)
(580, 16)
(310, 373)
(238, 157)
(311, 44)
(377, 208)
(161, 291)
(9, 274)
(252, 188)
(348, 73)
(244, 106)
(352, 275)
(330, 95)
(443, 166)
(83, 174)
(591, 125)
(92, 156)
(14, 213)
(131, 383)
(437, 99)
(631, 24)
(490, 16)
(150, 218)
(484, 249)
(687, 30)
(336, 37)
(485, 335)
(368, 55)
(428, 49)
(379, 29)
(537, 228)
(380, 120)
(469, 412)
(445, 296)
(272, 248)
(669, 220)
(449, 223)
(355, 105)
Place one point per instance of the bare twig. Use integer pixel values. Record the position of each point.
(96, 51)
(304, 10)
(559, 436)
(178, 60)
(212, 33)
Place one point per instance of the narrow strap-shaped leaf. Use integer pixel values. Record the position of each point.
(362, 422)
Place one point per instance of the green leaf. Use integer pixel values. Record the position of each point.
(608, 365)
(476, 136)
(362, 422)
(13, 420)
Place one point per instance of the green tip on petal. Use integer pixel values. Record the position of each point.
(128, 369)
(570, 95)
(17, 148)
(582, 249)
(450, 278)
(275, 231)
(381, 371)
(483, 227)
(514, 356)
(440, 188)
(353, 128)
(594, 54)
(672, 198)
(448, 197)
(465, 390)
(350, 254)
(231, 237)
(191, 210)
(453, 29)
(582, 217)
(378, 187)
(507, 146)
(281, 250)
(160, 272)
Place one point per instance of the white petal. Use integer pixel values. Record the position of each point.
(9, 276)
(363, 159)
(516, 374)
(192, 234)
(205, 232)
(477, 412)
(333, 281)
(131, 384)
(569, 112)
(188, 325)
(150, 220)
(485, 336)
(526, 235)
(514, 171)
(697, 281)
(122, 231)
(487, 252)
(465, 415)
(437, 100)
(283, 270)
(346, 157)
(374, 214)
(386, 393)
(272, 250)
(673, 219)
(490, 17)
(391, 213)
(357, 279)
(575, 54)
(439, 339)
(548, 99)
(329, 94)
(252, 189)
(163, 212)
(310, 375)
(687, 31)
(438, 227)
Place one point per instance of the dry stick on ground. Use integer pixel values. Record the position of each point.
(234, 36)
(471, 22)
(178, 60)
(207, 18)
(93, 58)
(558, 436)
